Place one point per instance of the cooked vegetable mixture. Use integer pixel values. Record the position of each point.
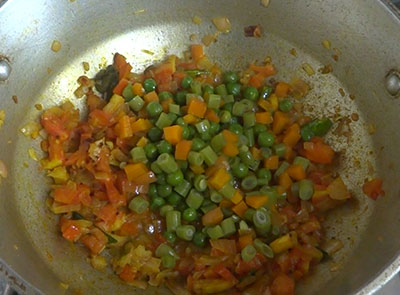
(204, 180)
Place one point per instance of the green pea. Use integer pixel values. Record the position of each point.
(198, 144)
(154, 134)
(258, 128)
(186, 82)
(240, 170)
(199, 239)
(185, 132)
(230, 77)
(164, 147)
(149, 85)
(161, 179)
(250, 93)
(153, 190)
(175, 178)
(189, 214)
(174, 198)
(127, 93)
(156, 203)
(170, 236)
(266, 139)
(164, 95)
(164, 190)
(180, 122)
(285, 105)
(236, 128)
(214, 128)
(151, 151)
(233, 88)
(180, 97)
(225, 116)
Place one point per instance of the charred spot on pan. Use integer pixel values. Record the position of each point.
(253, 31)
(105, 81)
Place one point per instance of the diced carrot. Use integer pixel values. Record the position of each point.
(257, 80)
(107, 213)
(66, 194)
(292, 135)
(256, 201)
(285, 181)
(151, 96)
(137, 89)
(296, 172)
(124, 128)
(129, 229)
(281, 120)
(127, 274)
(318, 152)
(182, 149)
(256, 153)
(230, 149)
(122, 66)
(165, 104)
(237, 197)
(93, 243)
(212, 217)
(71, 232)
(282, 89)
(212, 116)
(140, 125)
(267, 70)
(282, 285)
(120, 86)
(146, 178)
(219, 179)
(265, 104)
(245, 240)
(135, 170)
(264, 118)
(240, 209)
(373, 188)
(197, 108)
(289, 154)
(196, 51)
(272, 163)
(230, 136)
(190, 119)
(173, 134)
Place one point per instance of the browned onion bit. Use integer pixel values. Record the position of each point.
(253, 31)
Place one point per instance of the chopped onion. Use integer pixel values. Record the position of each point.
(337, 190)
(265, 3)
(3, 169)
(326, 44)
(56, 46)
(332, 246)
(222, 24)
(196, 20)
(208, 39)
(308, 69)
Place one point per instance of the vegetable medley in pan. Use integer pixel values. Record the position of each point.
(204, 180)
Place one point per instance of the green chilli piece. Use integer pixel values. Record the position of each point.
(167, 163)
(194, 199)
(185, 232)
(263, 248)
(173, 220)
(306, 189)
(139, 205)
(248, 253)
(136, 103)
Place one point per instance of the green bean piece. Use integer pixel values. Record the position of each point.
(167, 163)
(225, 116)
(249, 183)
(258, 128)
(248, 215)
(127, 93)
(138, 155)
(185, 232)
(266, 152)
(221, 90)
(215, 232)
(279, 149)
(195, 158)
(200, 183)
(228, 226)
(164, 249)
(168, 261)
(248, 253)
(174, 109)
(214, 101)
(306, 189)
(236, 128)
(203, 126)
(183, 188)
(194, 199)
(282, 168)
(139, 205)
(218, 142)
(163, 121)
(215, 197)
(210, 157)
(227, 191)
(173, 220)
(262, 220)
(207, 88)
(207, 208)
(263, 248)
(195, 86)
(164, 209)
(183, 165)
(249, 133)
(136, 103)
(303, 162)
(198, 144)
(249, 119)
(156, 203)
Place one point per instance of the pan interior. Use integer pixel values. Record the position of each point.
(96, 40)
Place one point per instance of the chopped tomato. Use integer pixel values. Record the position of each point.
(113, 194)
(282, 285)
(225, 273)
(373, 188)
(127, 274)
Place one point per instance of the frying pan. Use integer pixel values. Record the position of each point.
(366, 35)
